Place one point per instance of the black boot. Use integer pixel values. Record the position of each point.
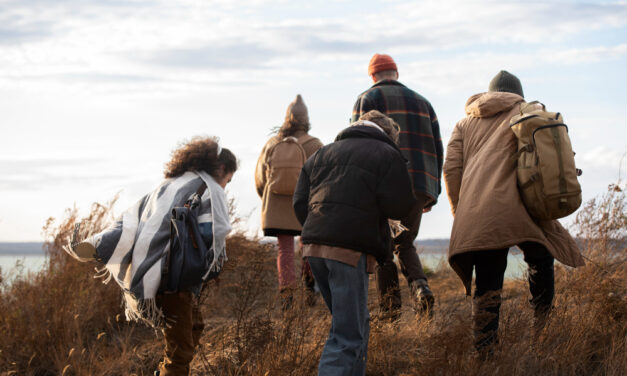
(423, 297)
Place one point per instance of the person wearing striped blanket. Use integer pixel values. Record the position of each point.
(134, 249)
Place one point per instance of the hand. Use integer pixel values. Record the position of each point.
(426, 210)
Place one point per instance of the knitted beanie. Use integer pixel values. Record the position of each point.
(505, 81)
(297, 112)
(380, 63)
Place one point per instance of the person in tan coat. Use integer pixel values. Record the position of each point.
(490, 217)
(277, 214)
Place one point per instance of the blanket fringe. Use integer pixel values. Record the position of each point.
(218, 261)
(104, 274)
(145, 310)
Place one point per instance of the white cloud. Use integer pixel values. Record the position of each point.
(122, 81)
(603, 157)
(585, 55)
(165, 43)
(19, 174)
(468, 71)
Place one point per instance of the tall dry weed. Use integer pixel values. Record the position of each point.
(61, 321)
(248, 333)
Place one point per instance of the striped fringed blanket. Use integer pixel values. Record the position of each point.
(133, 249)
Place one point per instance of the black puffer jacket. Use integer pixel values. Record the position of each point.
(348, 190)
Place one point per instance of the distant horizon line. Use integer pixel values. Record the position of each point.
(36, 247)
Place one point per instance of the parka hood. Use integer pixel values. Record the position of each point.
(364, 131)
(491, 103)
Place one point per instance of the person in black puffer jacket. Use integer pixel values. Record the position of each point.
(345, 194)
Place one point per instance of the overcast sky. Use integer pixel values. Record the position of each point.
(94, 95)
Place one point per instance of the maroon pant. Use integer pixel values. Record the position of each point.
(285, 262)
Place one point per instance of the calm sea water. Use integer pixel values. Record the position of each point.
(12, 264)
(516, 266)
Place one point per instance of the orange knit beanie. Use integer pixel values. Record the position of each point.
(381, 62)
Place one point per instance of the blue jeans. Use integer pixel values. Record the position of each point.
(344, 289)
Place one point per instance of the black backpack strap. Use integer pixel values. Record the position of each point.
(201, 190)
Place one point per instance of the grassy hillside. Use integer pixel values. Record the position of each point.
(62, 321)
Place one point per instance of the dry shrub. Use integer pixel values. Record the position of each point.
(48, 314)
(247, 333)
(62, 321)
(586, 333)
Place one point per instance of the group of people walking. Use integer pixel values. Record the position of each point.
(355, 203)
(388, 165)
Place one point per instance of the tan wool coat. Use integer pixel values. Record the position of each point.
(277, 212)
(481, 182)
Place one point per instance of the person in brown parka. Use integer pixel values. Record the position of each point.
(490, 217)
(277, 214)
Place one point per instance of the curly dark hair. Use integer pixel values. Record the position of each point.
(200, 154)
(389, 126)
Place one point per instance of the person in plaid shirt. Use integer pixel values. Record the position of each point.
(421, 145)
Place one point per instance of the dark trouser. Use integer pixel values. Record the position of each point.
(182, 332)
(387, 273)
(489, 274)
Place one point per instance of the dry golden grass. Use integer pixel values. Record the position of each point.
(62, 321)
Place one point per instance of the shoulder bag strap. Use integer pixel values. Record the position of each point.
(201, 190)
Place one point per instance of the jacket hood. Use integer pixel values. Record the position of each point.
(364, 131)
(491, 103)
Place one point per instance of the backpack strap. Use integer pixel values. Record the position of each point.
(201, 190)
(302, 140)
(526, 148)
(532, 179)
(270, 150)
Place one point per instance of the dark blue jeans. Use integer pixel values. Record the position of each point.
(489, 274)
(344, 289)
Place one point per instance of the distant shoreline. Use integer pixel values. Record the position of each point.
(21, 248)
(433, 245)
(439, 245)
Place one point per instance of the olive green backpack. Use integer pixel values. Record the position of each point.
(547, 176)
